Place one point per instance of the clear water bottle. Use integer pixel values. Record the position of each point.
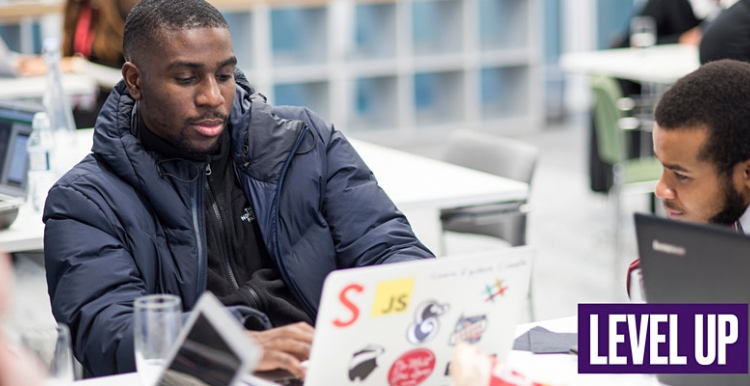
(55, 101)
(41, 147)
(57, 104)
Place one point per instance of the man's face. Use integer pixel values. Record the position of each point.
(692, 189)
(186, 87)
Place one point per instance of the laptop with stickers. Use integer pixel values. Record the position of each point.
(398, 324)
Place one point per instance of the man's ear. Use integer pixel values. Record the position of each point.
(745, 173)
(132, 76)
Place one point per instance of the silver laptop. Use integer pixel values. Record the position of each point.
(212, 350)
(398, 324)
(15, 128)
(691, 263)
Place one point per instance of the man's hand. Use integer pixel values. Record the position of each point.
(692, 36)
(285, 347)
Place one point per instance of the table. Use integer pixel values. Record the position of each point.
(104, 76)
(132, 379)
(419, 186)
(662, 64)
(27, 87)
(549, 369)
(562, 369)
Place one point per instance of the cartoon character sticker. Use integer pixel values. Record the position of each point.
(498, 288)
(469, 329)
(426, 323)
(412, 368)
(364, 362)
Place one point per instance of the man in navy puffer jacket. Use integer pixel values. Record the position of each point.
(195, 183)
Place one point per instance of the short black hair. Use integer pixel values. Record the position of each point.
(150, 17)
(715, 97)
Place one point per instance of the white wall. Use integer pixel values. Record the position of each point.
(579, 32)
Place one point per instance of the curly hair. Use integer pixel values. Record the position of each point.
(149, 18)
(715, 97)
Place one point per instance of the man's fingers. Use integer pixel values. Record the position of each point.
(280, 360)
(285, 347)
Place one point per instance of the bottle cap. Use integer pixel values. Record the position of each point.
(41, 120)
(51, 49)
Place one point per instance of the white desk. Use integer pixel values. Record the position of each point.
(662, 64)
(28, 87)
(132, 379)
(104, 76)
(548, 369)
(562, 369)
(419, 186)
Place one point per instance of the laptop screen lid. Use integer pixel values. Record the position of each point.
(212, 349)
(692, 263)
(15, 128)
(398, 323)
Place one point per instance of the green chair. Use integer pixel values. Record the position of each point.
(631, 175)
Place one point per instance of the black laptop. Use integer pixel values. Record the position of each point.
(15, 128)
(691, 263)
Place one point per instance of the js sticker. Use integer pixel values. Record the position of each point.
(392, 297)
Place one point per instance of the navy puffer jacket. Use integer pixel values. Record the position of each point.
(125, 222)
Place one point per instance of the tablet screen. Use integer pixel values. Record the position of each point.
(203, 359)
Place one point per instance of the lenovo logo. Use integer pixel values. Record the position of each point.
(658, 246)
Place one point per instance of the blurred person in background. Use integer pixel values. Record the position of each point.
(728, 36)
(676, 22)
(92, 29)
(17, 368)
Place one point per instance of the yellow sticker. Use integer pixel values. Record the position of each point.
(392, 297)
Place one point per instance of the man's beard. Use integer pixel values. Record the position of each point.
(183, 145)
(734, 205)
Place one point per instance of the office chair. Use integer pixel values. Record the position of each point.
(500, 156)
(496, 155)
(631, 175)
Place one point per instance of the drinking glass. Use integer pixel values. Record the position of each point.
(51, 346)
(157, 324)
(642, 32)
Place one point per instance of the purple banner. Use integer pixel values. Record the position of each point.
(663, 338)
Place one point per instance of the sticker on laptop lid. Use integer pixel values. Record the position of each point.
(412, 368)
(392, 297)
(426, 323)
(364, 362)
(469, 329)
(494, 290)
(346, 301)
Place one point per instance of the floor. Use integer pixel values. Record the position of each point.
(569, 226)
